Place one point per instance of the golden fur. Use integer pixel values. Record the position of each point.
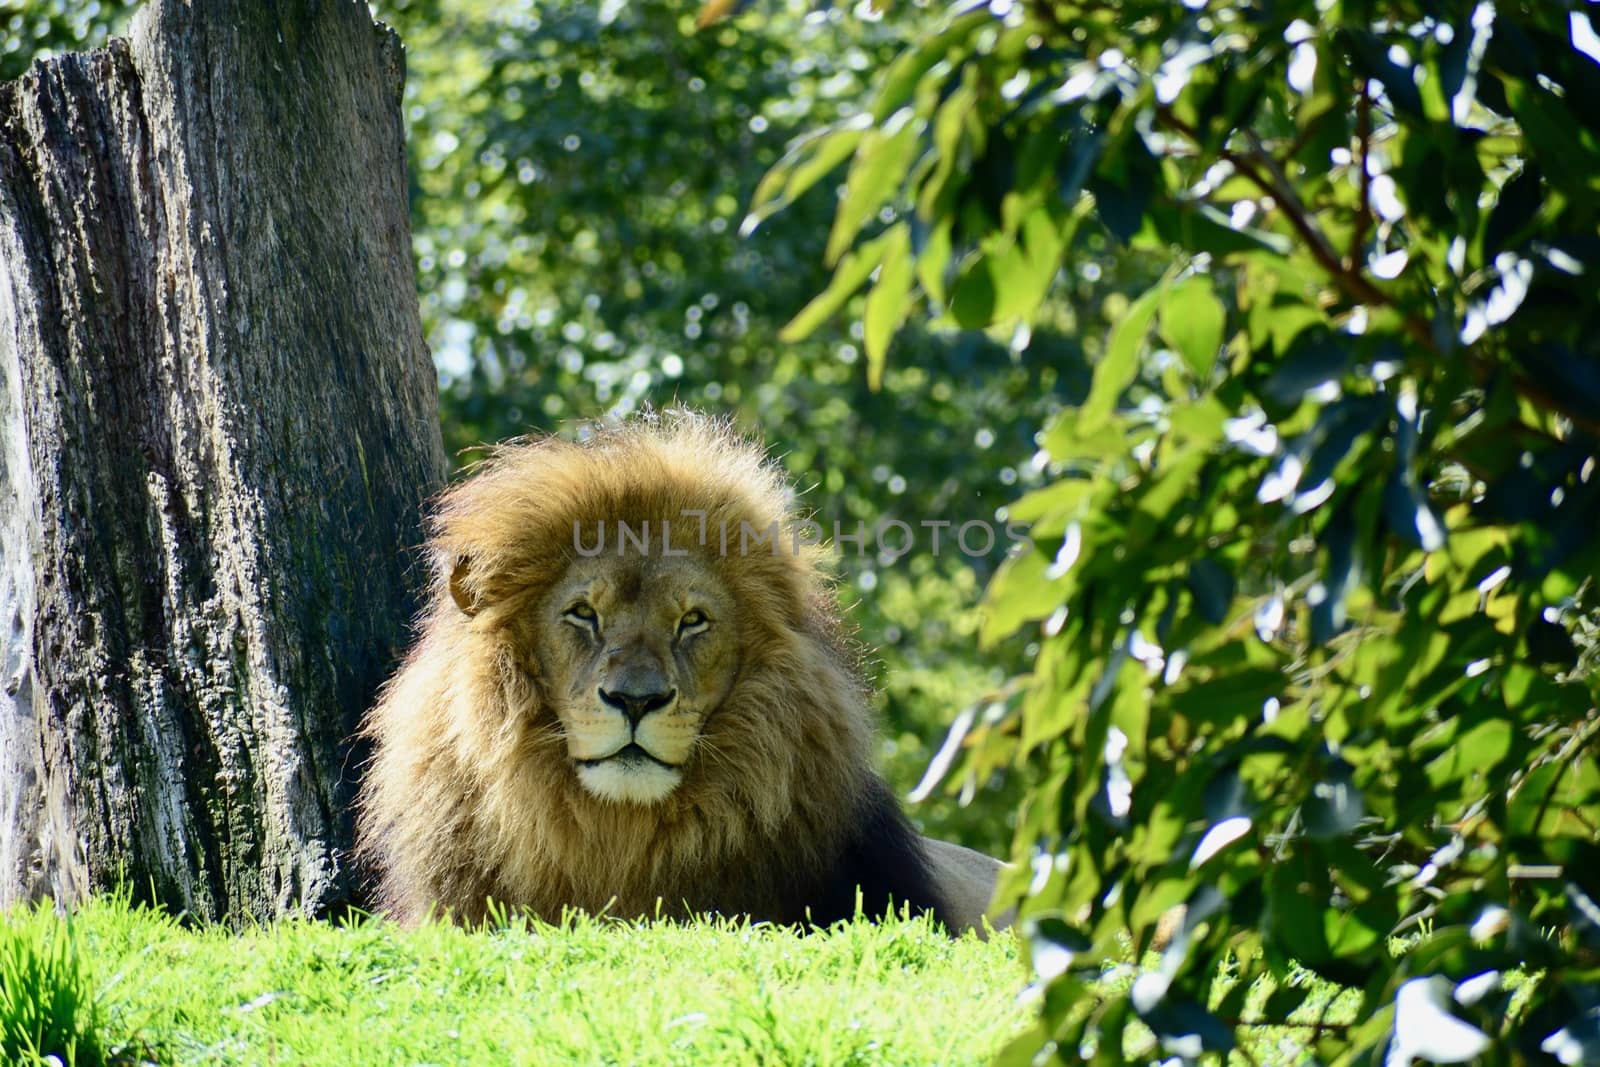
(473, 792)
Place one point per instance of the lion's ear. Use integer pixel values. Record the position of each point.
(459, 591)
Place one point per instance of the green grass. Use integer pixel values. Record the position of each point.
(589, 991)
(47, 1002)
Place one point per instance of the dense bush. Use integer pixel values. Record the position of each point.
(1315, 559)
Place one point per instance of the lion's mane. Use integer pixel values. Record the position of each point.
(470, 795)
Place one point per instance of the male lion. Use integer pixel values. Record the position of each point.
(628, 696)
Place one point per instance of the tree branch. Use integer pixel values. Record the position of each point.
(1363, 222)
(1321, 1026)
(1260, 169)
(1575, 746)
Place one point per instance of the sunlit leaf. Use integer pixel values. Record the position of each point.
(1020, 593)
(1191, 321)
(881, 160)
(1475, 752)
(1120, 364)
(808, 161)
(888, 302)
(850, 275)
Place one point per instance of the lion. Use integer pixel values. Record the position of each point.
(630, 694)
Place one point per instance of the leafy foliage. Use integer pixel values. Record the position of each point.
(1312, 576)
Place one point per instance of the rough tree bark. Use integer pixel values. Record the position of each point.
(218, 423)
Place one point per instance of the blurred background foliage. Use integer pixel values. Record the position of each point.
(38, 29)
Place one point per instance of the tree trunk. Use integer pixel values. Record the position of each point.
(218, 424)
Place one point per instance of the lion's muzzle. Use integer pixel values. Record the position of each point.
(632, 744)
(637, 698)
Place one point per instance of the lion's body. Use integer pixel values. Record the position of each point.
(503, 768)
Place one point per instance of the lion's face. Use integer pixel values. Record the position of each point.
(634, 654)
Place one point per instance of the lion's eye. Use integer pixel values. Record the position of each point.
(583, 615)
(693, 622)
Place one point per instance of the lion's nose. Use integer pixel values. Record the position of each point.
(636, 705)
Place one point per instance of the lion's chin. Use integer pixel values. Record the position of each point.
(629, 780)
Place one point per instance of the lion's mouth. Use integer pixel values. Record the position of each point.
(633, 752)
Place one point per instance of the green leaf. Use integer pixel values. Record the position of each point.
(1476, 752)
(806, 162)
(1119, 366)
(849, 276)
(1555, 798)
(1023, 1050)
(1050, 508)
(1295, 915)
(1355, 933)
(888, 301)
(1229, 697)
(1212, 586)
(933, 256)
(1192, 320)
(1009, 270)
(953, 123)
(912, 66)
(1040, 245)
(1563, 150)
(881, 163)
(1020, 592)
(975, 298)
(1170, 487)
(1198, 227)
